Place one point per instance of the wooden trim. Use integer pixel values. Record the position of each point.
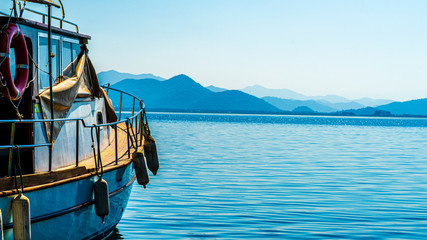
(63, 181)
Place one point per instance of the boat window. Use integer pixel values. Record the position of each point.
(75, 50)
(70, 51)
(44, 61)
(67, 56)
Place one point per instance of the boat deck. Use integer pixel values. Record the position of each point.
(85, 169)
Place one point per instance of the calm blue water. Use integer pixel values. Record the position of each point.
(288, 177)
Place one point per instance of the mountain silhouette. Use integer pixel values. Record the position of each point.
(372, 102)
(181, 93)
(416, 107)
(216, 89)
(341, 105)
(113, 77)
(333, 101)
(303, 110)
(291, 104)
(260, 91)
(413, 107)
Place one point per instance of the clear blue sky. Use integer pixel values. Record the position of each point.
(352, 48)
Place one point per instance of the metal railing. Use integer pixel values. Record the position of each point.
(44, 15)
(4, 14)
(135, 121)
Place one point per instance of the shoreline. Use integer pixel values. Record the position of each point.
(283, 113)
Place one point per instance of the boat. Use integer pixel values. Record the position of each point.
(68, 156)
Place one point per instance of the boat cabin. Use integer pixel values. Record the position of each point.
(64, 142)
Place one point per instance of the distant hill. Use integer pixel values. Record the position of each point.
(182, 93)
(409, 108)
(303, 110)
(290, 104)
(260, 91)
(342, 105)
(367, 111)
(330, 98)
(216, 89)
(321, 106)
(332, 101)
(413, 107)
(113, 77)
(372, 102)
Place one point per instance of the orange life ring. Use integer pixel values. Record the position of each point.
(12, 37)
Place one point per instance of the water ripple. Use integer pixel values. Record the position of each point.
(286, 177)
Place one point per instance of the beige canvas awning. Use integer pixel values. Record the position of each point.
(82, 83)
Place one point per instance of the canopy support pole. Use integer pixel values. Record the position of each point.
(15, 12)
(49, 32)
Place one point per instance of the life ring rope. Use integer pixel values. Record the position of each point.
(11, 35)
(5, 55)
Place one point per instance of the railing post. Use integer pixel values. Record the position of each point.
(141, 128)
(133, 109)
(77, 143)
(108, 133)
(12, 140)
(136, 125)
(134, 136)
(50, 156)
(136, 131)
(128, 136)
(98, 143)
(120, 106)
(49, 46)
(115, 143)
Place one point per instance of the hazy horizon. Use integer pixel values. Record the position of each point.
(204, 85)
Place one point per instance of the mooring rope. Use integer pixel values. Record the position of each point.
(20, 171)
(98, 161)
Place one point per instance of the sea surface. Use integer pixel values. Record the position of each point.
(285, 177)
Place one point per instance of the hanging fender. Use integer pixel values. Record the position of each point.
(102, 198)
(12, 37)
(150, 151)
(140, 168)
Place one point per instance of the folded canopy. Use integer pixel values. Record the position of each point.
(80, 81)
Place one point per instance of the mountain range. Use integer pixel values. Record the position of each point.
(181, 93)
(111, 77)
(260, 91)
